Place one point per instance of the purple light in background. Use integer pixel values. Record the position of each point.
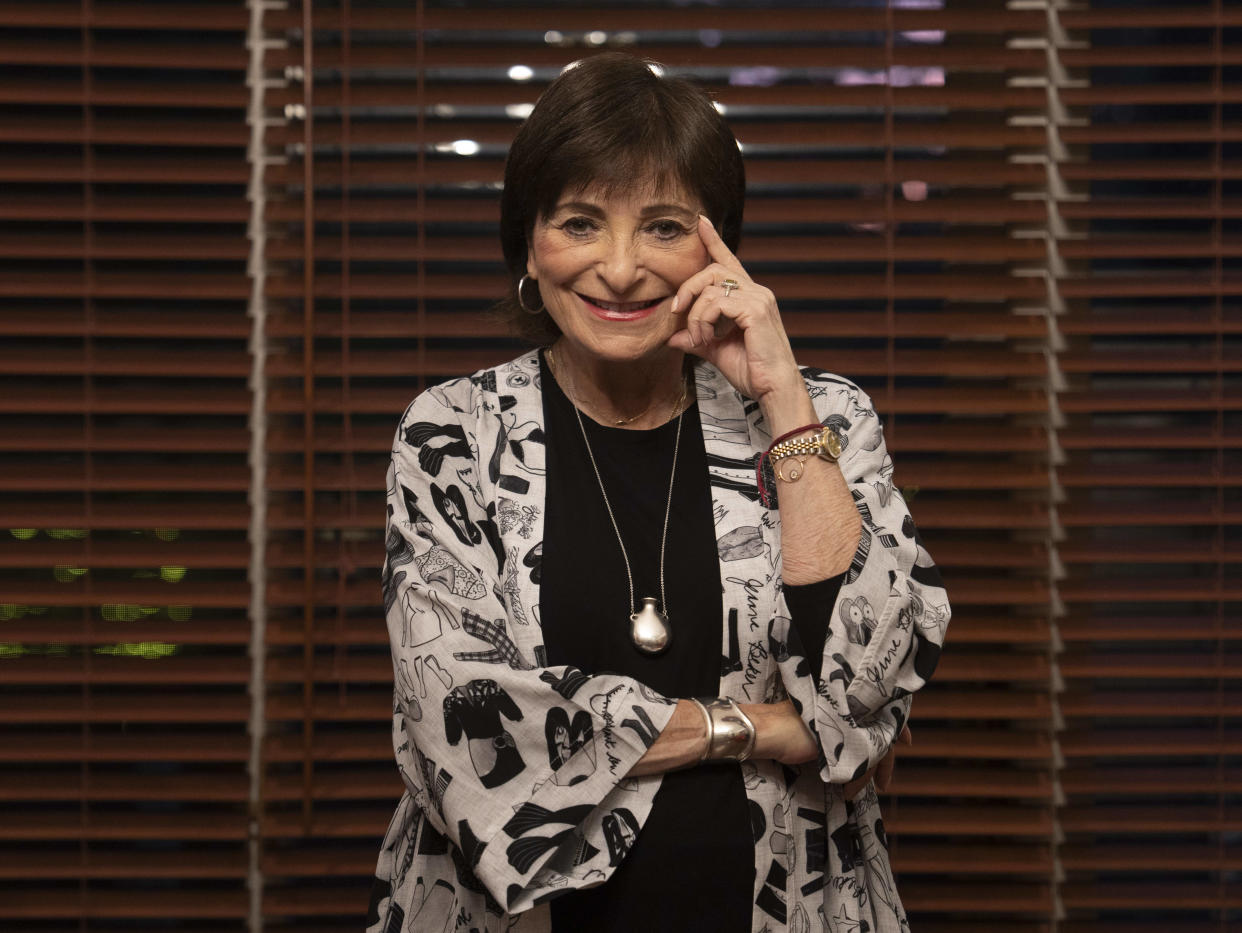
(933, 36)
(899, 75)
(758, 76)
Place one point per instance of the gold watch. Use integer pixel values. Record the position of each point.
(824, 443)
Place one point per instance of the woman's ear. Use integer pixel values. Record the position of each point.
(529, 243)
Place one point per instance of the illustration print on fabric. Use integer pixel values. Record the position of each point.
(503, 650)
(475, 709)
(566, 738)
(858, 618)
(620, 830)
(525, 850)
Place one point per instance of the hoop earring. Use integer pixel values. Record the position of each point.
(521, 302)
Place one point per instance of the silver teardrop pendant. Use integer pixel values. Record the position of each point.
(649, 628)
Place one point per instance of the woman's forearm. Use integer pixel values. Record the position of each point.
(820, 525)
(779, 734)
(680, 744)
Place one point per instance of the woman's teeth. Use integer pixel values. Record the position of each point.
(623, 307)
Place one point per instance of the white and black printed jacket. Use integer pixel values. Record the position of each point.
(515, 771)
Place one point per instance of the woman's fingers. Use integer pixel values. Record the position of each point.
(716, 247)
(701, 298)
(884, 770)
(724, 266)
(882, 773)
(854, 787)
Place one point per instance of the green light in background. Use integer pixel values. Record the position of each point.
(23, 534)
(147, 650)
(170, 573)
(65, 573)
(126, 612)
(10, 611)
(167, 534)
(67, 534)
(15, 649)
(180, 613)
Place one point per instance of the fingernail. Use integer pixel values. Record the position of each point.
(676, 302)
(708, 221)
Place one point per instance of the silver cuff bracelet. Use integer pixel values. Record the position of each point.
(730, 733)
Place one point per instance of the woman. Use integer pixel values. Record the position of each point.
(580, 544)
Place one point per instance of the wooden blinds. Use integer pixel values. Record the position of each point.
(123, 465)
(1016, 224)
(898, 208)
(1149, 575)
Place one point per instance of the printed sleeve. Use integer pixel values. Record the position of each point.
(886, 626)
(522, 766)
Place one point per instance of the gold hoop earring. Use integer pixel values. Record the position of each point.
(522, 302)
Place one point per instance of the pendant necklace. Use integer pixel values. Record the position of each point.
(649, 627)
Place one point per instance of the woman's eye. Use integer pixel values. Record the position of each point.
(578, 226)
(667, 229)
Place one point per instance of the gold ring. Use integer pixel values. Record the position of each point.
(729, 285)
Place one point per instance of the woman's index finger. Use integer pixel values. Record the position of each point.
(716, 247)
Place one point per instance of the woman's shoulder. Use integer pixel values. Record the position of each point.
(465, 398)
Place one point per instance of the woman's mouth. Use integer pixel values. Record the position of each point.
(620, 310)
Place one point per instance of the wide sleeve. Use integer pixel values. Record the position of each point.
(885, 629)
(521, 766)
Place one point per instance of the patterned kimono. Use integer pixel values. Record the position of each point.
(515, 772)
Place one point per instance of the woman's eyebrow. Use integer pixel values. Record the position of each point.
(668, 209)
(583, 207)
(587, 207)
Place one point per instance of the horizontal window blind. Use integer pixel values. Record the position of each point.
(1016, 225)
(123, 465)
(1148, 486)
(897, 207)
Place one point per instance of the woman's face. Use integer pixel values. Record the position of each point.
(608, 267)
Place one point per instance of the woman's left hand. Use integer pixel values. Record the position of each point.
(740, 333)
(882, 773)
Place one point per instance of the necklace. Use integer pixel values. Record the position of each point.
(649, 626)
(616, 422)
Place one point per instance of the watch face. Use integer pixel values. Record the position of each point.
(830, 441)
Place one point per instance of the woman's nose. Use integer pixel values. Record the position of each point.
(619, 266)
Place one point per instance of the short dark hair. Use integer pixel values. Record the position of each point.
(604, 122)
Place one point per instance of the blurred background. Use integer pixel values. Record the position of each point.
(237, 238)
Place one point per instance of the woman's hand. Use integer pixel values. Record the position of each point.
(883, 772)
(740, 333)
(780, 733)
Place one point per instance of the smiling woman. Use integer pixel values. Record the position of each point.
(564, 575)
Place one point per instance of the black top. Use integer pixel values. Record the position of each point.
(692, 864)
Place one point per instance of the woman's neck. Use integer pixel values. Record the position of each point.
(632, 394)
